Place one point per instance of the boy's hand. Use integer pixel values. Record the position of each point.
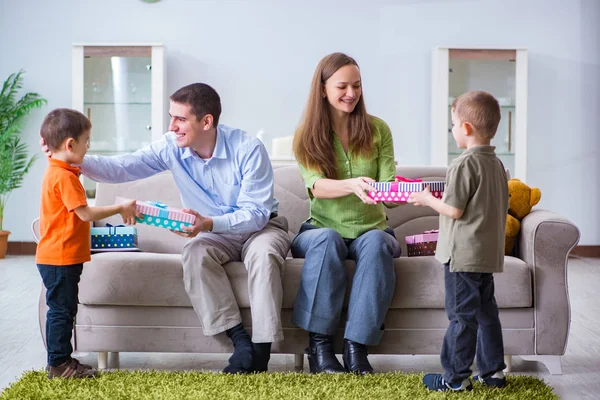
(202, 224)
(359, 186)
(420, 198)
(128, 213)
(45, 148)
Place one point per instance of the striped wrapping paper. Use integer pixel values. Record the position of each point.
(397, 192)
(158, 214)
(157, 209)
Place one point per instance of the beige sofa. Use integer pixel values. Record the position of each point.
(136, 302)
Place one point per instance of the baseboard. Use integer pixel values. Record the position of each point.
(586, 251)
(21, 248)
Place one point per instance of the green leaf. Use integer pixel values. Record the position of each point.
(15, 161)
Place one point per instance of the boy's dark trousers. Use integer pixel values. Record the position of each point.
(62, 285)
(474, 323)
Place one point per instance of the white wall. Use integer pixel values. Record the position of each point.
(260, 56)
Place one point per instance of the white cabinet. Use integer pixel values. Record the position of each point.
(503, 73)
(121, 89)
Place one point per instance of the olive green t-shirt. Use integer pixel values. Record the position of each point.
(475, 183)
(348, 215)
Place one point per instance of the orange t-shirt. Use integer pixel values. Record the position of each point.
(65, 238)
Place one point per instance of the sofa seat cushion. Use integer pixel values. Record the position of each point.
(151, 279)
(148, 279)
(420, 283)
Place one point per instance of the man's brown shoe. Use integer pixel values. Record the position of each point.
(71, 368)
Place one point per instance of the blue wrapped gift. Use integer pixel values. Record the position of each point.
(114, 238)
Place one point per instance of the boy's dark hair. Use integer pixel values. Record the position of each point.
(480, 109)
(62, 124)
(202, 99)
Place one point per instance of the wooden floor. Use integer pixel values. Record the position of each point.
(21, 348)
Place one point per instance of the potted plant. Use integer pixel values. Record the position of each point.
(15, 161)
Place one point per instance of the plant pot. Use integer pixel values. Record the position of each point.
(3, 243)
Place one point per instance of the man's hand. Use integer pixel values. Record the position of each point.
(421, 198)
(359, 186)
(45, 148)
(129, 213)
(202, 224)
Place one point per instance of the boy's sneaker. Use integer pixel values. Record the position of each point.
(498, 380)
(71, 368)
(436, 382)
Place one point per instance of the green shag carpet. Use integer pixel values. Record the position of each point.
(197, 385)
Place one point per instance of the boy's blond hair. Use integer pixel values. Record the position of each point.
(480, 109)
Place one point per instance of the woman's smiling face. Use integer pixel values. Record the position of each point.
(343, 89)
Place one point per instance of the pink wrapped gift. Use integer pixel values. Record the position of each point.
(423, 244)
(396, 192)
(158, 214)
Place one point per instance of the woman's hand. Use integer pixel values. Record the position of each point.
(360, 186)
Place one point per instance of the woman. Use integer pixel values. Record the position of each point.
(340, 149)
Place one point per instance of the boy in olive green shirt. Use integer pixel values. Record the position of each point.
(471, 247)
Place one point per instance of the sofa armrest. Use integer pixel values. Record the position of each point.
(545, 242)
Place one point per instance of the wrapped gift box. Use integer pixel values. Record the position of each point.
(114, 238)
(423, 244)
(397, 192)
(158, 214)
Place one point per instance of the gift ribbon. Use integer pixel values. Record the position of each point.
(403, 179)
(112, 229)
(162, 212)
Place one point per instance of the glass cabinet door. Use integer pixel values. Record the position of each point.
(496, 77)
(117, 100)
(120, 88)
(501, 72)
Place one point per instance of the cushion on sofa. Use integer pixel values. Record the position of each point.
(419, 281)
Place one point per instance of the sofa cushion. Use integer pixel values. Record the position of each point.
(149, 279)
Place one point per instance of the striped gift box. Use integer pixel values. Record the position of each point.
(155, 213)
(397, 192)
(158, 214)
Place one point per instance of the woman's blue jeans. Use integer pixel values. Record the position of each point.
(320, 298)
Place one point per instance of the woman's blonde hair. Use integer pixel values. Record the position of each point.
(313, 141)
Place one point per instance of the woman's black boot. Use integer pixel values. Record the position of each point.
(355, 358)
(321, 356)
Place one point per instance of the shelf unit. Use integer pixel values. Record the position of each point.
(479, 70)
(121, 89)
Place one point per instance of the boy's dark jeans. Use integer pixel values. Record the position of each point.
(474, 323)
(62, 284)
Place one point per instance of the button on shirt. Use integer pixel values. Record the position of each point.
(234, 187)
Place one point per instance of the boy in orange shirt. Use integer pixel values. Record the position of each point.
(65, 234)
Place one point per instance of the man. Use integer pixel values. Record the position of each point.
(226, 180)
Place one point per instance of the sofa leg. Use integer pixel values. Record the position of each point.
(508, 362)
(298, 362)
(551, 362)
(102, 360)
(113, 360)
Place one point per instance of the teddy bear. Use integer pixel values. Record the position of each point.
(521, 199)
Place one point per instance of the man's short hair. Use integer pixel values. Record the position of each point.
(201, 98)
(480, 109)
(62, 124)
